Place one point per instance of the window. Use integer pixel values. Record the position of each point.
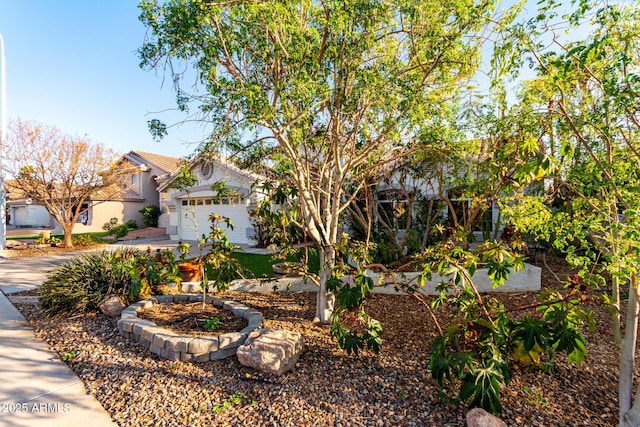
(462, 208)
(83, 218)
(206, 170)
(393, 209)
(215, 200)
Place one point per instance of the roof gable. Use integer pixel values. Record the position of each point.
(219, 163)
(168, 164)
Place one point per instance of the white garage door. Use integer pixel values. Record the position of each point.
(20, 216)
(195, 218)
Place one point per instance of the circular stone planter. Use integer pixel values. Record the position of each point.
(173, 346)
(287, 268)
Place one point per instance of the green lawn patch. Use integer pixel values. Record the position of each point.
(261, 265)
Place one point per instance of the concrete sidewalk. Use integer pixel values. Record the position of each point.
(37, 388)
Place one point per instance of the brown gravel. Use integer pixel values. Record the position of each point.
(327, 388)
(29, 252)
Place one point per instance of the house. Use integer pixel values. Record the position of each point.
(22, 211)
(148, 170)
(221, 188)
(114, 201)
(413, 197)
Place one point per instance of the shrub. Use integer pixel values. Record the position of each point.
(115, 230)
(120, 231)
(82, 284)
(131, 224)
(83, 239)
(108, 226)
(150, 215)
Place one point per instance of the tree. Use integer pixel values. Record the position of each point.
(336, 90)
(60, 172)
(586, 93)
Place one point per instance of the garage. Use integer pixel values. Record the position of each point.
(220, 187)
(194, 217)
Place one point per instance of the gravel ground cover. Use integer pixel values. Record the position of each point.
(327, 388)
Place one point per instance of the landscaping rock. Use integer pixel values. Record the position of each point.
(274, 351)
(15, 244)
(112, 306)
(478, 417)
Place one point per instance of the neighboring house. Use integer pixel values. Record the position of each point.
(149, 169)
(114, 201)
(22, 211)
(186, 211)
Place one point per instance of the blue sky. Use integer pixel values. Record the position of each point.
(73, 64)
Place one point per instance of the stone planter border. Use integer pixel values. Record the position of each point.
(171, 346)
(527, 280)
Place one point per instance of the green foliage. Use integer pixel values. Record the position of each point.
(476, 351)
(85, 239)
(333, 92)
(211, 324)
(82, 284)
(184, 178)
(219, 264)
(184, 248)
(355, 330)
(50, 239)
(150, 215)
(69, 356)
(234, 399)
(261, 265)
(131, 224)
(157, 129)
(352, 327)
(115, 230)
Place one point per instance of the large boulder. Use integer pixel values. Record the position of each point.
(478, 417)
(274, 351)
(112, 306)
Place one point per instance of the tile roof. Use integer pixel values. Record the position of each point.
(115, 192)
(111, 192)
(167, 163)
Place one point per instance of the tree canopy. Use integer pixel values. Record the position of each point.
(61, 172)
(335, 90)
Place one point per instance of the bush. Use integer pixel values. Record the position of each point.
(150, 215)
(115, 230)
(108, 226)
(82, 284)
(131, 224)
(83, 240)
(120, 231)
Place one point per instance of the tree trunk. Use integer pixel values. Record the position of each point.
(325, 300)
(68, 236)
(615, 317)
(629, 416)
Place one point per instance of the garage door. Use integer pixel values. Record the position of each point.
(195, 218)
(20, 215)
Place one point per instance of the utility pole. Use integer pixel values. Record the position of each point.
(3, 136)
